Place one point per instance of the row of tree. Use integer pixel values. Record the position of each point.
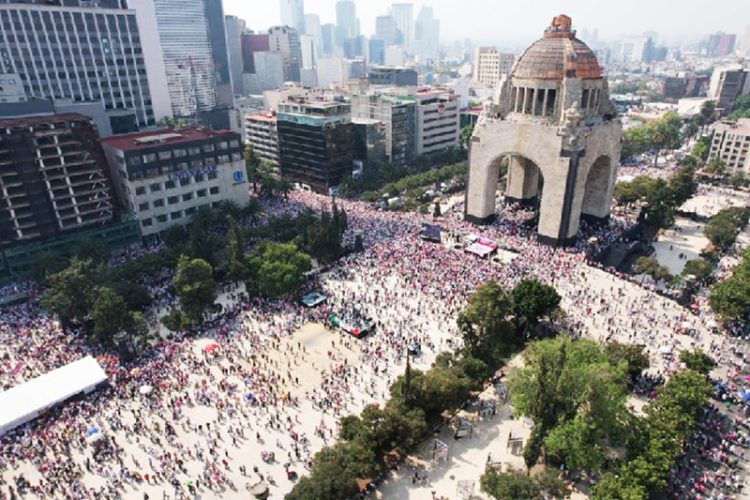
(722, 229)
(416, 181)
(493, 324)
(655, 136)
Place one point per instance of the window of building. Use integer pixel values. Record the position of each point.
(164, 155)
(199, 177)
(222, 145)
(159, 203)
(149, 157)
(169, 185)
(187, 196)
(134, 160)
(235, 143)
(201, 193)
(194, 151)
(223, 158)
(161, 218)
(196, 163)
(236, 156)
(172, 200)
(184, 181)
(208, 148)
(214, 190)
(143, 206)
(140, 190)
(212, 175)
(179, 153)
(175, 215)
(190, 211)
(156, 187)
(147, 222)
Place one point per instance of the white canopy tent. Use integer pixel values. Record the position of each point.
(32, 398)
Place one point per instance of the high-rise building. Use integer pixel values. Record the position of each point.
(376, 52)
(331, 71)
(252, 43)
(87, 51)
(398, 113)
(268, 75)
(386, 30)
(393, 76)
(438, 119)
(731, 142)
(328, 33)
(262, 134)
(307, 48)
(632, 49)
(426, 34)
(53, 178)
(164, 176)
(293, 14)
(193, 40)
(285, 41)
(727, 84)
(347, 25)
(316, 142)
(745, 47)
(403, 13)
(354, 47)
(312, 28)
(235, 28)
(720, 44)
(490, 65)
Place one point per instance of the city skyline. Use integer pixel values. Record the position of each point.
(690, 21)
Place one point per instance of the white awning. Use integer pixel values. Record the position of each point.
(32, 398)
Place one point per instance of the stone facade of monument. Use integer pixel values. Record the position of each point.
(554, 123)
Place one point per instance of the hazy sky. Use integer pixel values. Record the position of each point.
(510, 22)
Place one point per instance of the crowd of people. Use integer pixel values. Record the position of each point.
(243, 400)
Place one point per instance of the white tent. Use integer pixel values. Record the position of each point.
(32, 398)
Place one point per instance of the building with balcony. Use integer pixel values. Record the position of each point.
(262, 135)
(53, 178)
(437, 121)
(490, 65)
(163, 177)
(316, 142)
(730, 143)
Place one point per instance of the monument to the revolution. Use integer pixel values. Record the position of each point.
(553, 120)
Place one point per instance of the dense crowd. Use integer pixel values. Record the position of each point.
(243, 400)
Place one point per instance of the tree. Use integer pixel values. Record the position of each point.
(252, 165)
(571, 443)
(46, 264)
(511, 485)
(92, 250)
(612, 486)
(731, 298)
(715, 166)
(651, 266)
(665, 133)
(237, 264)
(635, 140)
(532, 301)
(632, 356)
(698, 361)
(708, 112)
(70, 292)
(700, 268)
(701, 148)
(683, 185)
(277, 268)
(195, 287)
(741, 108)
(464, 137)
(109, 314)
(722, 229)
(487, 332)
(660, 204)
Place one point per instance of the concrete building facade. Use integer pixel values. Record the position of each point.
(727, 84)
(293, 14)
(53, 178)
(490, 65)
(316, 142)
(554, 124)
(403, 14)
(86, 51)
(437, 120)
(262, 134)
(392, 76)
(398, 114)
(163, 177)
(285, 41)
(730, 142)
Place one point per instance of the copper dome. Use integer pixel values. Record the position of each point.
(559, 54)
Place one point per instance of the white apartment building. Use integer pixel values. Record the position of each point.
(438, 120)
(490, 65)
(262, 134)
(731, 143)
(163, 177)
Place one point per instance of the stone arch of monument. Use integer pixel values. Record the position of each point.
(554, 120)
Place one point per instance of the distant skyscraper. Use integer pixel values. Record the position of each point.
(721, 44)
(426, 34)
(293, 14)
(490, 65)
(376, 53)
(328, 34)
(285, 41)
(403, 13)
(312, 28)
(386, 30)
(347, 25)
(235, 29)
(193, 41)
(119, 62)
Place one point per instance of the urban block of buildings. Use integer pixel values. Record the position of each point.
(730, 143)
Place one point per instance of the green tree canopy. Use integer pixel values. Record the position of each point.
(698, 361)
(70, 291)
(277, 269)
(532, 301)
(195, 287)
(487, 332)
(511, 485)
(109, 313)
(700, 268)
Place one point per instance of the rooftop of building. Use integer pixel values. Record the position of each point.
(154, 138)
(557, 55)
(391, 68)
(30, 121)
(269, 117)
(740, 127)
